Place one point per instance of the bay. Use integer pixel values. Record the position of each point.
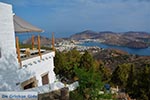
(144, 52)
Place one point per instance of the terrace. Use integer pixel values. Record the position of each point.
(26, 53)
(22, 26)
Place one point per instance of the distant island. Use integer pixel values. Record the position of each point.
(129, 39)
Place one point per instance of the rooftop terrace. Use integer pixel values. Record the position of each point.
(26, 53)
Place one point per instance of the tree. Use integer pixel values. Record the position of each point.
(138, 87)
(65, 63)
(134, 79)
(121, 74)
(60, 63)
(72, 59)
(105, 73)
(90, 83)
(86, 61)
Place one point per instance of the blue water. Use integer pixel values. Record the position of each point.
(145, 52)
(25, 36)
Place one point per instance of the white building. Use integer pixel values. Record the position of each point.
(41, 70)
(35, 71)
(7, 38)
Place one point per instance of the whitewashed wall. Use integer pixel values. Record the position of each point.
(8, 60)
(7, 35)
(37, 67)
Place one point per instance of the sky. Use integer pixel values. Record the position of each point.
(66, 17)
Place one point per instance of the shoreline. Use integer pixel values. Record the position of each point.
(132, 51)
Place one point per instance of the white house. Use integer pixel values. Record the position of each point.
(35, 70)
(7, 35)
(41, 70)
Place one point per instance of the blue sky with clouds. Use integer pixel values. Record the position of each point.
(65, 17)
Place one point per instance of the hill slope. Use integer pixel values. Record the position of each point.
(129, 39)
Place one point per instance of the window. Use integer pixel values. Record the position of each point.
(31, 83)
(45, 79)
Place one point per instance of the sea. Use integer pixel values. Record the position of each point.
(25, 36)
(143, 52)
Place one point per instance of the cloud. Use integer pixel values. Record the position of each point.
(65, 2)
(72, 16)
(120, 16)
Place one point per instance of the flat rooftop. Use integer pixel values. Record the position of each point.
(26, 53)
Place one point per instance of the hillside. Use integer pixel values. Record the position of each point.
(107, 66)
(44, 40)
(112, 58)
(88, 34)
(129, 39)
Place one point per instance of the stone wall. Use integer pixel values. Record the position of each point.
(62, 94)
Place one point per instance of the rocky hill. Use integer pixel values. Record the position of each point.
(129, 39)
(88, 34)
(44, 40)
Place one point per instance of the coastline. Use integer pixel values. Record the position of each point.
(133, 51)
